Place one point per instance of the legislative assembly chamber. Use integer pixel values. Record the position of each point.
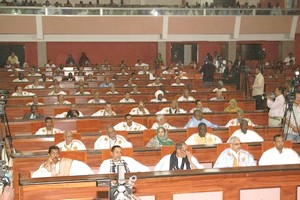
(150, 99)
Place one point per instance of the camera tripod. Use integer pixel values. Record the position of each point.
(289, 118)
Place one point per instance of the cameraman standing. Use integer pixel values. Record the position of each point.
(258, 89)
(276, 105)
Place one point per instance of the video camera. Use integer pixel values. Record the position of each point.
(290, 97)
(119, 189)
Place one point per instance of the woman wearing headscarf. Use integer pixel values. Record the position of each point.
(161, 138)
(232, 107)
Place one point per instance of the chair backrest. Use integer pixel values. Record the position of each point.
(190, 131)
(165, 150)
(270, 144)
(222, 146)
(147, 135)
(106, 153)
(59, 137)
(231, 129)
(75, 155)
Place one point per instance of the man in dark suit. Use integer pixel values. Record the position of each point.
(239, 65)
(34, 113)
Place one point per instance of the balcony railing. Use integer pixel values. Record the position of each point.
(146, 11)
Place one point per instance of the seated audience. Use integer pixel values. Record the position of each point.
(203, 137)
(70, 77)
(159, 97)
(105, 65)
(107, 83)
(127, 98)
(32, 72)
(180, 159)
(234, 156)
(218, 97)
(70, 144)
(161, 138)
(161, 122)
(290, 59)
(279, 155)
(19, 92)
(111, 139)
(177, 82)
(237, 121)
(34, 85)
(232, 107)
(56, 91)
(155, 83)
(56, 166)
(35, 101)
(48, 129)
(34, 114)
(107, 111)
(130, 165)
(96, 98)
(82, 91)
(246, 135)
(55, 83)
(186, 96)
(129, 125)
(173, 109)
(73, 112)
(112, 90)
(220, 87)
(135, 90)
(61, 100)
(197, 119)
(140, 109)
(130, 83)
(200, 107)
(139, 63)
(21, 78)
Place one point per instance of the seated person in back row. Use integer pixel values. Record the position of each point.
(197, 119)
(56, 166)
(70, 144)
(186, 96)
(130, 165)
(61, 100)
(129, 125)
(127, 98)
(35, 101)
(232, 107)
(279, 155)
(72, 112)
(200, 107)
(173, 109)
(246, 135)
(237, 121)
(160, 139)
(19, 92)
(161, 121)
(180, 159)
(34, 114)
(234, 156)
(96, 98)
(107, 111)
(48, 129)
(111, 139)
(203, 137)
(159, 97)
(140, 109)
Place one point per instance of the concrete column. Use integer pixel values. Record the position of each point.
(42, 53)
(231, 48)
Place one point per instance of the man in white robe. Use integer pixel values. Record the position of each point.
(19, 92)
(239, 117)
(48, 129)
(186, 96)
(97, 98)
(202, 137)
(234, 156)
(181, 158)
(173, 109)
(107, 111)
(200, 107)
(246, 135)
(127, 98)
(70, 144)
(130, 165)
(111, 139)
(140, 110)
(56, 166)
(161, 121)
(129, 125)
(278, 155)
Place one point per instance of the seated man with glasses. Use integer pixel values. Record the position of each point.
(234, 156)
(181, 158)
